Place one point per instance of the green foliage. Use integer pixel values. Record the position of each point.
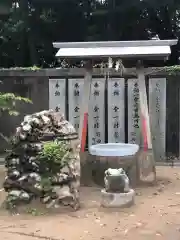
(173, 70)
(5, 6)
(55, 155)
(46, 183)
(28, 31)
(8, 102)
(34, 212)
(10, 203)
(33, 68)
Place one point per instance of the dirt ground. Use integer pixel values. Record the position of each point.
(155, 215)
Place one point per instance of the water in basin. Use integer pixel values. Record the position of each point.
(114, 149)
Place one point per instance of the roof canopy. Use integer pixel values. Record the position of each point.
(122, 49)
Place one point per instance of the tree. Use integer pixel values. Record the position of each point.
(5, 6)
(31, 26)
(8, 102)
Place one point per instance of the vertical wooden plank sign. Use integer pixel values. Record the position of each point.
(75, 88)
(116, 128)
(57, 93)
(157, 110)
(96, 120)
(134, 132)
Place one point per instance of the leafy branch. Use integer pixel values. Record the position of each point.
(8, 102)
(172, 70)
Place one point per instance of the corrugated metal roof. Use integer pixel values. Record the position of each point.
(123, 52)
(115, 44)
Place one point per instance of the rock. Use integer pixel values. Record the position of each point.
(46, 120)
(24, 196)
(35, 176)
(27, 128)
(62, 192)
(46, 199)
(15, 193)
(14, 175)
(27, 175)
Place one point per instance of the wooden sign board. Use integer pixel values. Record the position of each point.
(96, 118)
(157, 110)
(116, 114)
(57, 94)
(134, 131)
(75, 88)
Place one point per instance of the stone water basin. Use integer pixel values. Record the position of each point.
(115, 155)
(114, 149)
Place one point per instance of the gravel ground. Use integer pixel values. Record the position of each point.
(155, 215)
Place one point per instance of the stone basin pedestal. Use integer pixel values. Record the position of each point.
(109, 199)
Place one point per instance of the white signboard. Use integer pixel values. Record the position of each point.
(96, 119)
(75, 88)
(157, 110)
(116, 127)
(57, 95)
(134, 132)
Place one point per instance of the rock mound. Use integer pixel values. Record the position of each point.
(44, 162)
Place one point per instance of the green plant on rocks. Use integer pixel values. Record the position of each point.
(55, 156)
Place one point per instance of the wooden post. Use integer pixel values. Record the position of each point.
(84, 106)
(144, 105)
(147, 164)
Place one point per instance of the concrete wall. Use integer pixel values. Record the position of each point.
(35, 88)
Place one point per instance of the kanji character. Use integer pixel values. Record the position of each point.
(96, 125)
(116, 93)
(57, 93)
(57, 109)
(57, 85)
(96, 85)
(96, 93)
(76, 92)
(76, 109)
(116, 125)
(96, 109)
(76, 85)
(116, 84)
(116, 134)
(115, 108)
(98, 134)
